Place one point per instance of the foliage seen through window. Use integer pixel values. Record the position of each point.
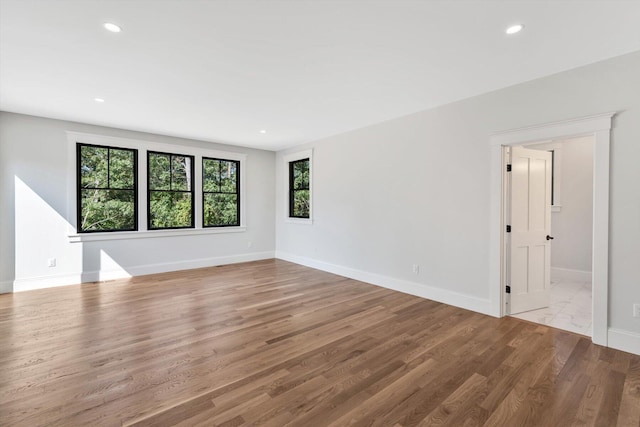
(107, 193)
(220, 192)
(299, 193)
(170, 190)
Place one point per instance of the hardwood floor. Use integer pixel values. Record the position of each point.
(279, 344)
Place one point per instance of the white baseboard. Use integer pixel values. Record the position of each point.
(558, 274)
(479, 305)
(199, 263)
(32, 283)
(6, 286)
(624, 340)
(43, 282)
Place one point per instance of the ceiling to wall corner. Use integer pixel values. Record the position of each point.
(274, 74)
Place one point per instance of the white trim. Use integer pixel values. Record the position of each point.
(143, 270)
(558, 274)
(479, 305)
(624, 340)
(565, 129)
(31, 283)
(143, 146)
(600, 127)
(600, 254)
(505, 216)
(148, 234)
(43, 282)
(6, 287)
(285, 164)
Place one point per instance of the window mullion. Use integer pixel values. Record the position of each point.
(108, 168)
(171, 172)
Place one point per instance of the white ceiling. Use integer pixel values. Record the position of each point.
(223, 70)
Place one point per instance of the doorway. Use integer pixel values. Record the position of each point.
(568, 206)
(598, 126)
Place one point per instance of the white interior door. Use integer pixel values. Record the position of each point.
(530, 220)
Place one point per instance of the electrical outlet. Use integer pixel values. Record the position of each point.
(636, 310)
(416, 269)
(51, 262)
(249, 244)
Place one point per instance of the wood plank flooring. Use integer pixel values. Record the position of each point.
(278, 344)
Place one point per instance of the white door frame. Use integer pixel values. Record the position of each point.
(598, 126)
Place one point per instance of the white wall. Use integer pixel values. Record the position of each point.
(572, 226)
(415, 190)
(34, 222)
(572, 216)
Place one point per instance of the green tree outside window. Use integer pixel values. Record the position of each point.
(299, 191)
(220, 192)
(170, 191)
(107, 188)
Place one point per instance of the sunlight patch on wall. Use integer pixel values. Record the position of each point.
(110, 269)
(43, 257)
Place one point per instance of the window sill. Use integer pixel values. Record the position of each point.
(298, 220)
(148, 234)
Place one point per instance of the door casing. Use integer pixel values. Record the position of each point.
(598, 126)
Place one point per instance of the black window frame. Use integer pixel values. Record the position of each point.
(237, 193)
(192, 191)
(293, 190)
(79, 187)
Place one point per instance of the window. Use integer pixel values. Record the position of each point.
(170, 191)
(186, 191)
(298, 186)
(107, 188)
(299, 191)
(220, 192)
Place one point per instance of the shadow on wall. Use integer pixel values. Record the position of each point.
(43, 255)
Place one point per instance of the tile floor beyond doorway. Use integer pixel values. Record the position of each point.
(570, 307)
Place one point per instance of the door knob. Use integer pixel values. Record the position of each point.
(549, 237)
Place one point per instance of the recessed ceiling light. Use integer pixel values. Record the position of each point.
(263, 131)
(112, 27)
(98, 99)
(514, 29)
